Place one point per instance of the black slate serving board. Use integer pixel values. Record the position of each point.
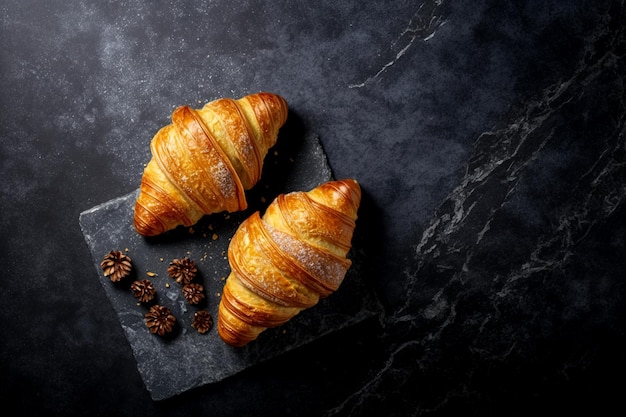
(187, 359)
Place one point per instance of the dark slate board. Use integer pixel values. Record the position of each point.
(187, 359)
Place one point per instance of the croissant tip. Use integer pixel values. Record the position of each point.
(350, 186)
(349, 181)
(232, 341)
(143, 229)
(352, 181)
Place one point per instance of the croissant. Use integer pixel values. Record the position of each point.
(205, 159)
(285, 261)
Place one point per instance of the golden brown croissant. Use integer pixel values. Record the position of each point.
(203, 161)
(287, 260)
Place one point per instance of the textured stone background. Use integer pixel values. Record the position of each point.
(489, 141)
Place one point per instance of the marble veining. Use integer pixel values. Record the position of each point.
(487, 136)
(422, 26)
(517, 227)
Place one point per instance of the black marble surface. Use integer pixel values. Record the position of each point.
(489, 141)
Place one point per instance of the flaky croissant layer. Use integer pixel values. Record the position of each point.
(205, 159)
(285, 261)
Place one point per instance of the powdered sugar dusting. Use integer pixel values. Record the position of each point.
(267, 286)
(326, 269)
(224, 179)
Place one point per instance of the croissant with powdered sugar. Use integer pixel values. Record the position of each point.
(285, 261)
(205, 159)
